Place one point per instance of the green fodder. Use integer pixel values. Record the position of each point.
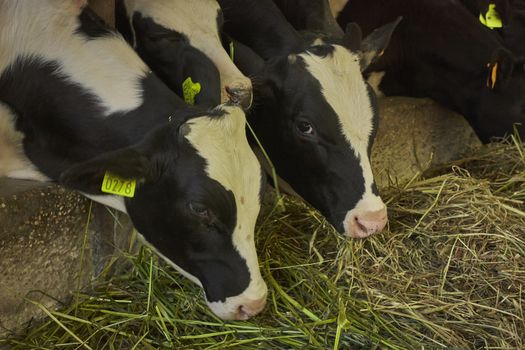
(448, 272)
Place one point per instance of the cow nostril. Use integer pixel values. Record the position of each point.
(360, 225)
(251, 308)
(242, 97)
(242, 314)
(365, 223)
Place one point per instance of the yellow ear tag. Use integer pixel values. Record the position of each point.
(232, 51)
(491, 19)
(493, 76)
(190, 90)
(116, 185)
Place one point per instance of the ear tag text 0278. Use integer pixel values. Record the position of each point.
(115, 185)
(491, 19)
(190, 90)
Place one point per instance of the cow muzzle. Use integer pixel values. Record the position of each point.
(250, 308)
(243, 306)
(364, 220)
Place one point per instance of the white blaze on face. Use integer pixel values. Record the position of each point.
(344, 88)
(197, 20)
(45, 29)
(222, 142)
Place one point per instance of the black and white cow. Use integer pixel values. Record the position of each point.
(181, 39)
(314, 114)
(441, 51)
(77, 102)
(509, 23)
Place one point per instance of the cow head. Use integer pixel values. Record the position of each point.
(317, 120)
(196, 202)
(500, 102)
(179, 39)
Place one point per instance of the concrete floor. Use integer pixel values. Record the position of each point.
(52, 242)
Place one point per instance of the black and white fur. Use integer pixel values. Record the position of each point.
(173, 35)
(314, 113)
(76, 101)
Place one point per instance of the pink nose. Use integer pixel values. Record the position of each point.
(364, 224)
(250, 309)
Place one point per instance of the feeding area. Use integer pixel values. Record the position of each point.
(262, 174)
(448, 272)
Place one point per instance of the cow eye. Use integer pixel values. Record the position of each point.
(199, 210)
(305, 128)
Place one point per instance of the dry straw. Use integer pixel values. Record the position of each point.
(448, 273)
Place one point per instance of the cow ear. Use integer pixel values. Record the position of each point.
(126, 163)
(353, 37)
(376, 42)
(271, 82)
(500, 69)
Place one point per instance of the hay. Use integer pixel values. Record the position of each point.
(449, 272)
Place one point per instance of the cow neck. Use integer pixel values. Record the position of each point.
(310, 15)
(260, 25)
(160, 106)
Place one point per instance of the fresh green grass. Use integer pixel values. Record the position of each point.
(448, 272)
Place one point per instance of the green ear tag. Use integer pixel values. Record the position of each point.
(121, 187)
(491, 19)
(190, 90)
(232, 51)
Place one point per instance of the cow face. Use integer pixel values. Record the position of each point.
(318, 123)
(320, 142)
(163, 28)
(196, 203)
(500, 102)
